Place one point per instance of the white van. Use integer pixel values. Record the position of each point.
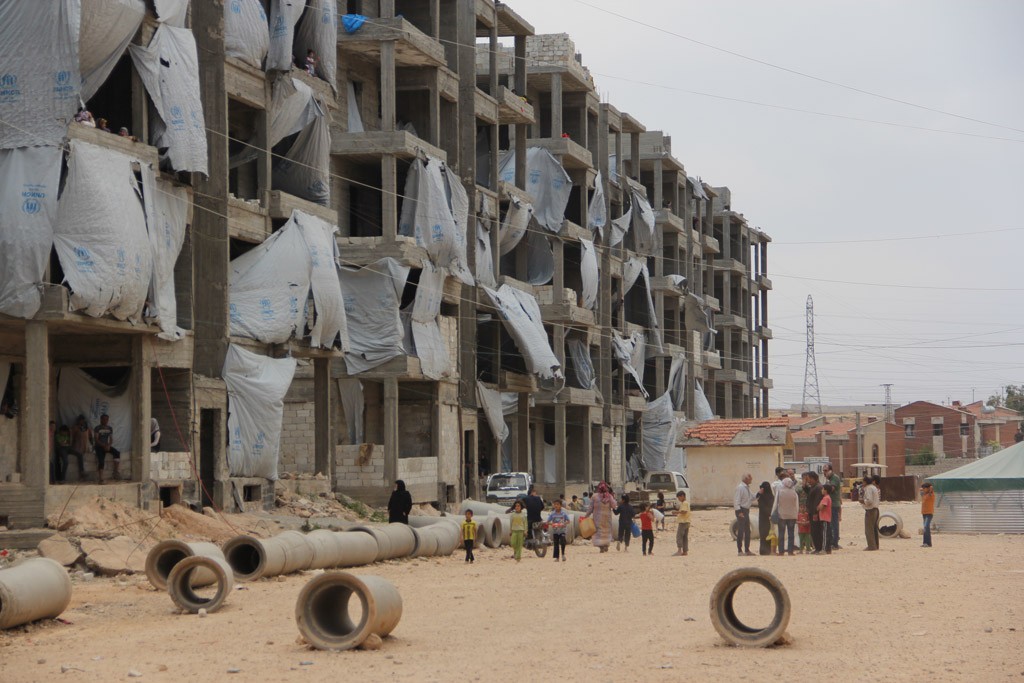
(505, 487)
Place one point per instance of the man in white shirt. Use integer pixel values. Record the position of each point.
(741, 501)
(870, 497)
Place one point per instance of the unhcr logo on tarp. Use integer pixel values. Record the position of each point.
(9, 91)
(83, 260)
(236, 6)
(63, 87)
(34, 196)
(177, 118)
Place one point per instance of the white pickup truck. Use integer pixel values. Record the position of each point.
(657, 482)
(504, 487)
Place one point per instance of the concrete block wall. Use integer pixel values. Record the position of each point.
(170, 465)
(352, 470)
(298, 437)
(506, 59)
(555, 49)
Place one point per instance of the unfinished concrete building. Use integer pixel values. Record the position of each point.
(373, 240)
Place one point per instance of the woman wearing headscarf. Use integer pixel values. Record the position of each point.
(601, 505)
(400, 504)
(765, 503)
(788, 506)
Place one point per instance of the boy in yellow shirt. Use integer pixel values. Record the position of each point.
(683, 524)
(469, 535)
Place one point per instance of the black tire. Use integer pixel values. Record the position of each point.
(540, 549)
(723, 614)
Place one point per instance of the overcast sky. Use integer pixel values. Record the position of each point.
(809, 178)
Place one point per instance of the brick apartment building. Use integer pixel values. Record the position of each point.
(948, 431)
(881, 442)
(998, 426)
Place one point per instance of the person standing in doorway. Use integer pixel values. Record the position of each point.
(104, 434)
(741, 502)
(927, 511)
(469, 536)
(682, 524)
(400, 504)
(870, 497)
(832, 542)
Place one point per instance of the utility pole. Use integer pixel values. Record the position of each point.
(811, 390)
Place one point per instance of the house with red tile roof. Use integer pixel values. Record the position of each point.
(996, 425)
(720, 452)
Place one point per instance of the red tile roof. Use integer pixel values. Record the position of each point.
(722, 432)
(835, 427)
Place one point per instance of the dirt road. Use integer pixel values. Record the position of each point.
(906, 613)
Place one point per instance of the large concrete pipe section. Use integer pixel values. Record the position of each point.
(323, 616)
(449, 535)
(488, 531)
(38, 588)
(505, 524)
(479, 508)
(253, 558)
(166, 554)
(393, 540)
(181, 584)
(335, 549)
(426, 542)
(890, 524)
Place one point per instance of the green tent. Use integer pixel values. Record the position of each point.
(985, 497)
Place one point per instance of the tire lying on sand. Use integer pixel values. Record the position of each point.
(723, 612)
(322, 610)
(892, 528)
(181, 585)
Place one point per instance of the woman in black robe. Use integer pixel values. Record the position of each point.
(765, 503)
(400, 504)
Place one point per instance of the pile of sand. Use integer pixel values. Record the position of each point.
(321, 506)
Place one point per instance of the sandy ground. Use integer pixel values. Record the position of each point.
(906, 613)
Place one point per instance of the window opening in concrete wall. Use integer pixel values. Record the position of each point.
(937, 429)
(364, 197)
(170, 495)
(171, 417)
(965, 429)
(243, 178)
(874, 453)
(252, 493)
(908, 430)
(113, 101)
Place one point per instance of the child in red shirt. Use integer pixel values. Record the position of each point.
(803, 527)
(825, 516)
(646, 529)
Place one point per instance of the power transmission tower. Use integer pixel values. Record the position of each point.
(811, 390)
(890, 415)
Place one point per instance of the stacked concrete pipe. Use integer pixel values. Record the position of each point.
(426, 542)
(393, 540)
(33, 589)
(336, 549)
(181, 584)
(322, 613)
(488, 531)
(166, 554)
(253, 558)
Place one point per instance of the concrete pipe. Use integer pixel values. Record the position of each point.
(181, 584)
(393, 540)
(33, 589)
(335, 549)
(723, 612)
(323, 616)
(494, 531)
(481, 509)
(166, 554)
(890, 524)
(449, 535)
(253, 558)
(754, 531)
(505, 523)
(426, 542)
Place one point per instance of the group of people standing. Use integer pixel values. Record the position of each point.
(801, 516)
(602, 508)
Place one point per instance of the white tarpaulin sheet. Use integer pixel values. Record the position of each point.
(540, 260)
(677, 382)
(631, 355)
(355, 119)
(352, 404)
(698, 188)
(256, 388)
(305, 169)
(101, 236)
(582, 366)
(484, 256)
(246, 34)
(435, 211)
(78, 393)
(652, 314)
(39, 78)
(169, 68)
(284, 14)
(292, 108)
(268, 288)
(597, 211)
(108, 26)
(702, 409)
(373, 295)
(318, 31)
(517, 218)
(659, 429)
(546, 181)
(329, 322)
(589, 274)
(426, 329)
(28, 212)
(490, 401)
(172, 12)
(522, 319)
(5, 374)
(644, 236)
(550, 476)
(631, 270)
(166, 207)
(620, 226)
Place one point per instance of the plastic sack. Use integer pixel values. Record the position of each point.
(587, 527)
(634, 530)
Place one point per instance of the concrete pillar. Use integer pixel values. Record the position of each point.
(521, 457)
(521, 129)
(560, 447)
(390, 431)
(142, 409)
(387, 85)
(323, 439)
(35, 414)
(556, 105)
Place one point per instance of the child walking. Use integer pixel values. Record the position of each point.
(518, 526)
(646, 529)
(558, 522)
(825, 516)
(625, 512)
(469, 535)
(683, 524)
(803, 527)
(661, 507)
